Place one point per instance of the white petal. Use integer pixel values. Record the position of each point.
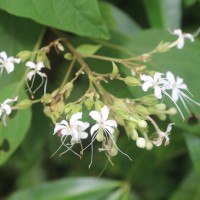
(41, 74)
(189, 36)
(3, 55)
(158, 92)
(175, 95)
(94, 129)
(111, 123)
(83, 135)
(95, 115)
(10, 100)
(170, 77)
(75, 135)
(39, 65)
(109, 129)
(178, 32)
(31, 65)
(7, 109)
(169, 128)
(146, 85)
(105, 113)
(75, 117)
(30, 75)
(143, 77)
(180, 43)
(9, 67)
(14, 60)
(157, 76)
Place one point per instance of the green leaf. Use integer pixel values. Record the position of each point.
(189, 189)
(79, 17)
(88, 49)
(118, 20)
(69, 189)
(193, 144)
(163, 13)
(17, 125)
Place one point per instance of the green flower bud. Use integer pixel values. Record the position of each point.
(68, 56)
(142, 124)
(134, 134)
(131, 81)
(141, 110)
(172, 111)
(55, 116)
(47, 111)
(98, 105)
(115, 70)
(60, 46)
(54, 93)
(59, 107)
(113, 151)
(100, 136)
(26, 103)
(141, 142)
(68, 108)
(47, 98)
(162, 117)
(76, 108)
(149, 145)
(149, 100)
(24, 55)
(42, 57)
(89, 103)
(161, 106)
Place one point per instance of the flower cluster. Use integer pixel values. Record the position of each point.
(168, 85)
(103, 131)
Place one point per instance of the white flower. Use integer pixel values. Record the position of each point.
(141, 142)
(103, 126)
(102, 122)
(177, 87)
(157, 82)
(36, 69)
(7, 62)
(75, 128)
(181, 38)
(163, 135)
(5, 109)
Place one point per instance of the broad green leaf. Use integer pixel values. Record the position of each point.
(69, 189)
(16, 34)
(183, 63)
(193, 143)
(118, 20)
(88, 49)
(79, 17)
(17, 125)
(189, 189)
(163, 13)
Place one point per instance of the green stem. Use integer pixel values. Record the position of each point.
(68, 73)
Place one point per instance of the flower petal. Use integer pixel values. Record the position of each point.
(175, 95)
(75, 117)
(109, 129)
(31, 65)
(104, 113)
(189, 36)
(9, 67)
(10, 100)
(3, 55)
(39, 66)
(95, 115)
(158, 92)
(111, 123)
(83, 135)
(7, 109)
(180, 42)
(94, 129)
(146, 85)
(30, 75)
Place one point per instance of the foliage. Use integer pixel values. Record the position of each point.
(84, 46)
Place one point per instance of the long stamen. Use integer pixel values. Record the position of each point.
(116, 145)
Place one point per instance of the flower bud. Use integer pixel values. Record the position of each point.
(141, 142)
(68, 56)
(161, 106)
(26, 103)
(24, 55)
(172, 111)
(54, 117)
(113, 151)
(47, 98)
(98, 105)
(134, 134)
(142, 124)
(141, 110)
(149, 145)
(89, 103)
(60, 46)
(76, 108)
(149, 100)
(100, 136)
(131, 81)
